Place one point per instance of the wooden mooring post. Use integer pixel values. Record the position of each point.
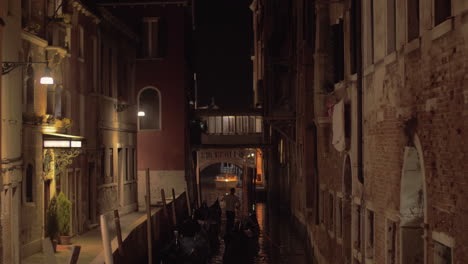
(106, 241)
(187, 197)
(118, 230)
(174, 215)
(163, 198)
(148, 218)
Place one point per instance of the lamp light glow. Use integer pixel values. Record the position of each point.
(47, 79)
(76, 144)
(141, 113)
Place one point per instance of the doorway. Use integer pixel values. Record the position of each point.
(412, 209)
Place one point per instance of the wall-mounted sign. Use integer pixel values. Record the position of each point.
(55, 140)
(58, 143)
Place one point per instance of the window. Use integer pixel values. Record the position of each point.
(331, 212)
(154, 37)
(149, 103)
(258, 124)
(391, 242)
(348, 120)
(131, 164)
(95, 64)
(121, 174)
(25, 12)
(58, 100)
(127, 167)
(369, 34)
(103, 167)
(355, 29)
(111, 165)
(370, 234)
(134, 164)
(322, 207)
(338, 51)
(29, 184)
(219, 125)
(102, 53)
(413, 19)
(50, 100)
(442, 253)
(357, 228)
(442, 10)
(391, 26)
(81, 42)
(339, 211)
(110, 73)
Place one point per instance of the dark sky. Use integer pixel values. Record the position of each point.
(223, 41)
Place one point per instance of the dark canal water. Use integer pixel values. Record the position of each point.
(279, 243)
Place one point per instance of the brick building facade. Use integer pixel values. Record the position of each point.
(162, 79)
(371, 155)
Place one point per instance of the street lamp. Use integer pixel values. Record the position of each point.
(8, 66)
(141, 113)
(47, 79)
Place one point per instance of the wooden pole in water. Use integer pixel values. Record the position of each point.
(174, 216)
(245, 191)
(118, 230)
(106, 241)
(187, 197)
(148, 218)
(163, 198)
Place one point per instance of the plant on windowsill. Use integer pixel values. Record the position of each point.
(52, 229)
(63, 216)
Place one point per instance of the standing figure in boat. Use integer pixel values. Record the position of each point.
(232, 203)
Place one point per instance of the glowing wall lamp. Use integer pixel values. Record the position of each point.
(8, 66)
(46, 79)
(141, 113)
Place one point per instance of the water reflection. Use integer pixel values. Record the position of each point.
(278, 242)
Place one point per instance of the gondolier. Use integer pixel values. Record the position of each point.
(232, 203)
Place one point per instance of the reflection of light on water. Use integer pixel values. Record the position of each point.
(260, 214)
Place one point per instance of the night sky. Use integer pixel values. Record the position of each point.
(222, 50)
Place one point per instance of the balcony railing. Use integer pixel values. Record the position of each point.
(233, 125)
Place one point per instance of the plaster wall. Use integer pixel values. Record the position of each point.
(11, 135)
(160, 179)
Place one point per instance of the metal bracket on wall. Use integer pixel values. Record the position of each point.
(8, 66)
(120, 107)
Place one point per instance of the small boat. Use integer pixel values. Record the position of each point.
(226, 181)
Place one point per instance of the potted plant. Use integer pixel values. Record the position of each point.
(63, 217)
(52, 230)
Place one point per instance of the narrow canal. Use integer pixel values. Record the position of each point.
(279, 243)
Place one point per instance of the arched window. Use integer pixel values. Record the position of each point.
(149, 109)
(29, 183)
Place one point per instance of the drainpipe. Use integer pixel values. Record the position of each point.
(321, 119)
(360, 79)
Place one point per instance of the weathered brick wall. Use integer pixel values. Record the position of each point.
(330, 166)
(426, 85)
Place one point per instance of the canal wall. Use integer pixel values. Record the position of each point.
(135, 243)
